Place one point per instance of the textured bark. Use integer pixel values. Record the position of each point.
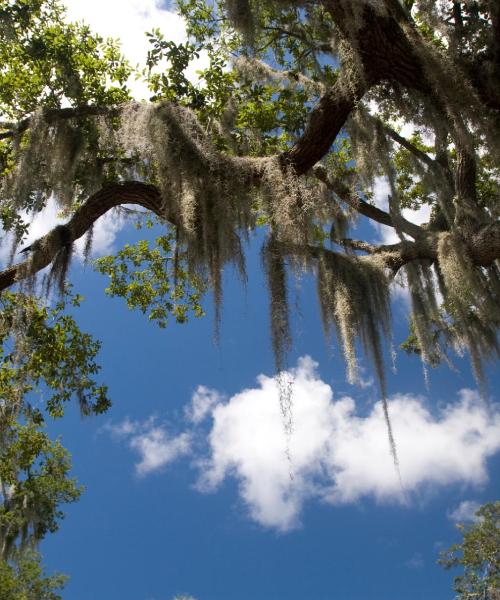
(325, 123)
(385, 50)
(484, 245)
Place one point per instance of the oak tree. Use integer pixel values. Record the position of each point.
(293, 123)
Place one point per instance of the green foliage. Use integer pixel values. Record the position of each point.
(25, 580)
(478, 555)
(264, 116)
(44, 361)
(47, 62)
(171, 83)
(43, 351)
(153, 280)
(34, 482)
(412, 191)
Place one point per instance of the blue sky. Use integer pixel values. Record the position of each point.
(198, 498)
(192, 485)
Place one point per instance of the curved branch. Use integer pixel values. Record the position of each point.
(45, 249)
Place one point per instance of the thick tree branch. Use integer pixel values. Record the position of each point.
(325, 123)
(45, 249)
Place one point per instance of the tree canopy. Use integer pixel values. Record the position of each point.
(291, 124)
(45, 361)
(478, 554)
(290, 129)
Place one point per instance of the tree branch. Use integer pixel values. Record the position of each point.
(422, 156)
(45, 249)
(325, 123)
(364, 208)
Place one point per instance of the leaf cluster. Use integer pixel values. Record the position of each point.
(43, 351)
(48, 62)
(154, 279)
(479, 556)
(26, 580)
(44, 361)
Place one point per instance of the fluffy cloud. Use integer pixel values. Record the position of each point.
(156, 448)
(465, 512)
(336, 454)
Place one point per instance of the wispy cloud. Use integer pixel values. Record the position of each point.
(415, 562)
(465, 512)
(155, 446)
(202, 403)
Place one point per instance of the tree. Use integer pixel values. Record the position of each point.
(479, 555)
(298, 114)
(43, 355)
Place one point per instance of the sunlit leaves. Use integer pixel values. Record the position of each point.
(154, 280)
(34, 482)
(478, 554)
(25, 579)
(43, 350)
(45, 360)
(47, 62)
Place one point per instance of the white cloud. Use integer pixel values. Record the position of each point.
(465, 512)
(338, 455)
(123, 429)
(156, 448)
(128, 20)
(202, 402)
